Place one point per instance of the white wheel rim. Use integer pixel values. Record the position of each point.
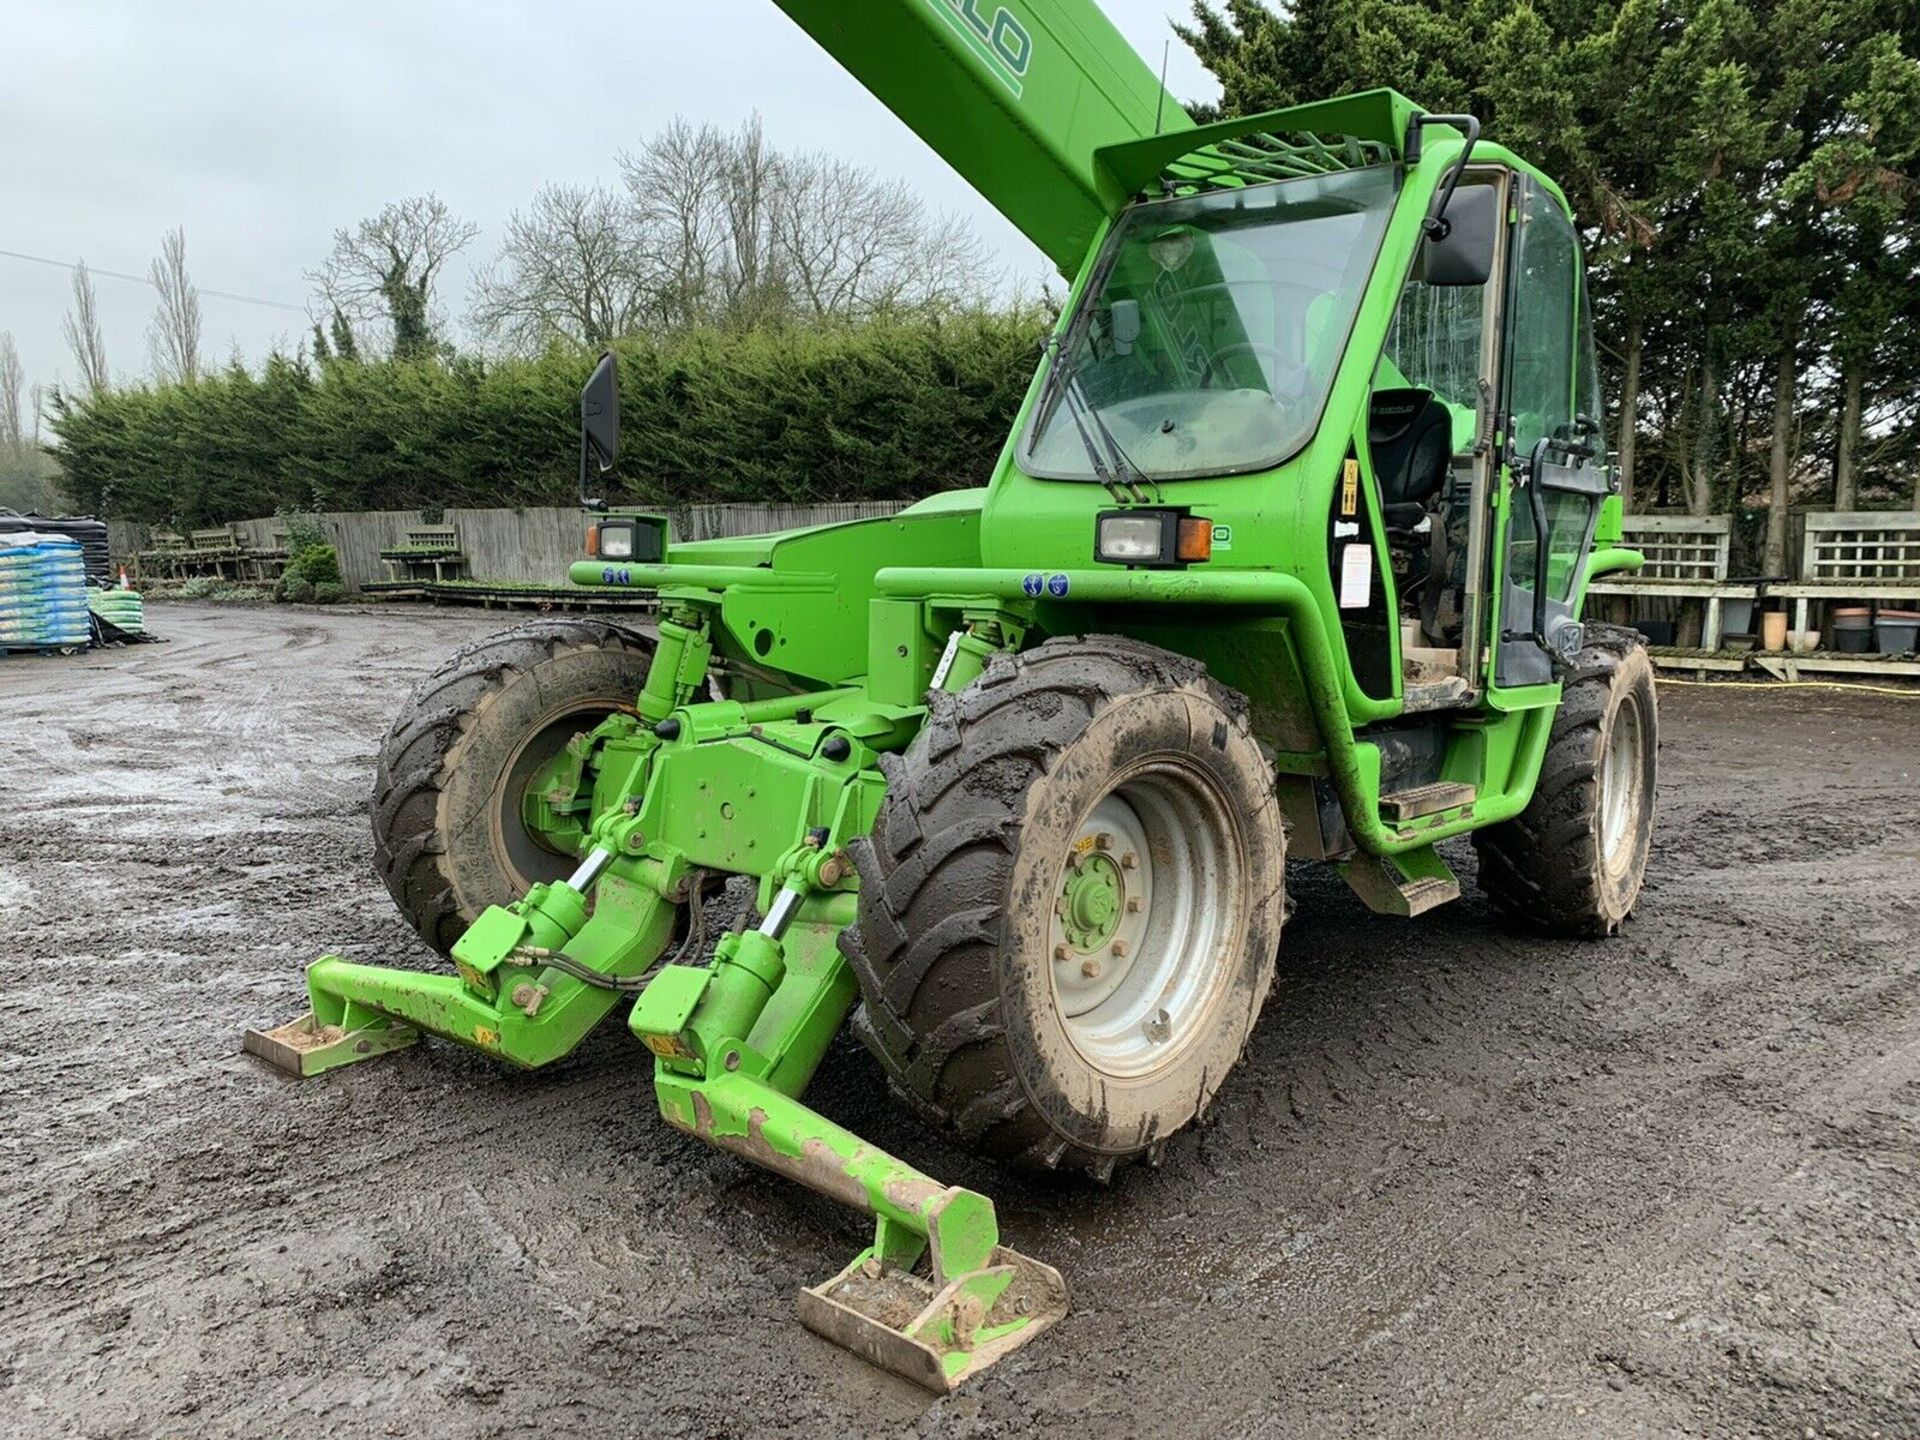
(1136, 987)
(1620, 785)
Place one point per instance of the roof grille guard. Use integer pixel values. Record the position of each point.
(1345, 133)
(1257, 158)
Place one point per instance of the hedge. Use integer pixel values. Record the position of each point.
(887, 410)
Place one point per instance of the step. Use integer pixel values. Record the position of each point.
(1449, 694)
(1403, 805)
(1403, 885)
(1423, 895)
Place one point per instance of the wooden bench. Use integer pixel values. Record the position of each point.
(1872, 556)
(215, 550)
(426, 552)
(1687, 558)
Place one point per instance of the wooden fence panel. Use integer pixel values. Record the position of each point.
(500, 544)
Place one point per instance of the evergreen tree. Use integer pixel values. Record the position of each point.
(1746, 174)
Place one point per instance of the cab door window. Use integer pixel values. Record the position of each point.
(1543, 327)
(1556, 479)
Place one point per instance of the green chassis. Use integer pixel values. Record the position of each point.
(830, 656)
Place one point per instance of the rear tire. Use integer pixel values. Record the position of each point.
(448, 839)
(1070, 904)
(1573, 861)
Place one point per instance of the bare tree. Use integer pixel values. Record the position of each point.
(383, 270)
(173, 335)
(26, 471)
(81, 326)
(676, 181)
(742, 234)
(14, 424)
(752, 176)
(572, 267)
(851, 244)
(717, 227)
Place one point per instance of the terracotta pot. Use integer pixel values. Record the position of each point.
(1773, 630)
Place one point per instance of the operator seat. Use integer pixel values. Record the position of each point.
(1410, 433)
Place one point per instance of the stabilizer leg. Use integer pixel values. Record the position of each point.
(309, 1046)
(508, 999)
(936, 1297)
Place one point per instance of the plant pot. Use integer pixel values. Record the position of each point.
(1773, 631)
(1803, 642)
(1853, 630)
(1736, 616)
(1895, 632)
(1739, 644)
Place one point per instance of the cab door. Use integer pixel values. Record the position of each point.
(1554, 472)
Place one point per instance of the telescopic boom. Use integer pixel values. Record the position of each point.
(1016, 97)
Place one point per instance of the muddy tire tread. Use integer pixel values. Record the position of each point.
(915, 953)
(423, 744)
(1540, 866)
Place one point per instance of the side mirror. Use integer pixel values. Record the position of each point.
(1462, 253)
(1123, 321)
(599, 426)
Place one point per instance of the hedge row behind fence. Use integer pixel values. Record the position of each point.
(889, 410)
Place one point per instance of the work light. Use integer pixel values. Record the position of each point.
(1153, 538)
(616, 539)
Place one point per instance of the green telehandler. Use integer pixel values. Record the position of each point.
(1284, 558)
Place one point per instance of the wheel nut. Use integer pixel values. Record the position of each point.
(1061, 952)
(1090, 969)
(1103, 841)
(1118, 949)
(1135, 904)
(1129, 861)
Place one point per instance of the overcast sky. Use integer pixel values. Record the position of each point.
(261, 127)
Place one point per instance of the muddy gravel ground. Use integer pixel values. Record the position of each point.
(1466, 1182)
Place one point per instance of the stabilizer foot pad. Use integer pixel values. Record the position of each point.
(895, 1319)
(303, 1048)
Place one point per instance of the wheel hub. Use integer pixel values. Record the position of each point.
(1092, 900)
(1619, 798)
(1149, 886)
(1101, 915)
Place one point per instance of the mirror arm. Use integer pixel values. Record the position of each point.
(1435, 225)
(587, 502)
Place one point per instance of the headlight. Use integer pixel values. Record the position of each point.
(616, 541)
(1133, 539)
(1158, 538)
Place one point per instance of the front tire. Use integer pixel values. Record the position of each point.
(448, 839)
(1070, 904)
(1572, 863)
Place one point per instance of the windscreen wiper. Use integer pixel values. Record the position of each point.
(1063, 386)
(1077, 412)
(1130, 474)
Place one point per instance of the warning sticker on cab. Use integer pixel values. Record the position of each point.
(1356, 576)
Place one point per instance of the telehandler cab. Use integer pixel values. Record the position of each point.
(1284, 558)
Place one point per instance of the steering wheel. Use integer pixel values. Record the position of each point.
(1280, 367)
